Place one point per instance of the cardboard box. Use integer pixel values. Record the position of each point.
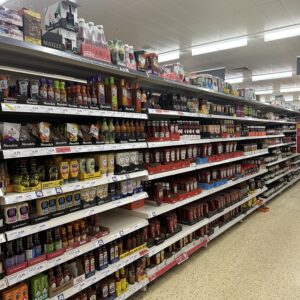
(62, 14)
(32, 26)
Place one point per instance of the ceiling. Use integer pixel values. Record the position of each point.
(175, 24)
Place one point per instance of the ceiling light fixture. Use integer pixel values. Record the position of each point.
(3, 1)
(171, 55)
(290, 90)
(263, 92)
(288, 98)
(219, 46)
(282, 33)
(272, 76)
(234, 80)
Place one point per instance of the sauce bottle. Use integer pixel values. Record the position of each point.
(59, 278)
(51, 279)
(111, 132)
(133, 133)
(111, 252)
(50, 91)
(123, 279)
(104, 131)
(76, 233)
(118, 283)
(88, 96)
(100, 90)
(29, 249)
(63, 93)
(105, 257)
(70, 236)
(116, 249)
(64, 239)
(56, 91)
(9, 260)
(43, 89)
(57, 240)
(124, 135)
(122, 94)
(78, 95)
(83, 235)
(84, 95)
(112, 93)
(94, 101)
(37, 245)
(49, 245)
(117, 131)
(137, 98)
(129, 94)
(92, 262)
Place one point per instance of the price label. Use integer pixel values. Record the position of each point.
(114, 179)
(121, 232)
(58, 190)
(123, 69)
(143, 252)
(100, 243)
(181, 258)
(154, 214)
(42, 226)
(127, 176)
(60, 297)
(79, 287)
(35, 152)
(3, 284)
(16, 153)
(17, 277)
(90, 212)
(12, 235)
(39, 194)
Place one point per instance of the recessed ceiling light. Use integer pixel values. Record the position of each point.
(234, 80)
(288, 98)
(171, 55)
(219, 46)
(263, 92)
(272, 76)
(282, 33)
(290, 90)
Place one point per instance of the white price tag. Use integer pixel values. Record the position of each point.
(3, 284)
(79, 287)
(114, 179)
(35, 152)
(90, 212)
(127, 176)
(56, 261)
(20, 276)
(100, 243)
(154, 214)
(37, 269)
(60, 297)
(117, 203)
(15, 234)
(121, 232)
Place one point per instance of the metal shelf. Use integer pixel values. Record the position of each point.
(281, 160)
(16, 53)
(279, 176)
(68, 218)
(281, 145)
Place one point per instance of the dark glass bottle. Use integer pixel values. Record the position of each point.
(19, 253)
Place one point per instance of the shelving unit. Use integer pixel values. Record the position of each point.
(121, 221)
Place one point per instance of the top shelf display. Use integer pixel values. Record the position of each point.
(20, 54)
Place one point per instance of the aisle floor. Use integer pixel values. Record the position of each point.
(258, 259)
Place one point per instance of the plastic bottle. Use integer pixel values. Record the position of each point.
(81, 34)
(63, 93)
(56, 91)
(101, 37)
(90, 33)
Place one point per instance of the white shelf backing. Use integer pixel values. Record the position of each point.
(102, 274)
(39, 151)
(279, 176)
(281, 145)
(119, 226)
(150, 211)
(265, 200)
(31, 229)
(186, 230)
(281, 160)
(66, 188)
(44, 109)
(195, 167)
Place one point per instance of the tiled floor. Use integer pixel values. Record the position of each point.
(258, 259)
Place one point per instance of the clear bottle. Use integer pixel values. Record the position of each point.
(101, 37)
(81, 34)
(90, 33)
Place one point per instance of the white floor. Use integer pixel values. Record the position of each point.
(258, 259)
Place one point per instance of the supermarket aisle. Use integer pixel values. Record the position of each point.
(259, 259)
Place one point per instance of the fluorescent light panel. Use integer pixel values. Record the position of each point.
(290, 90)
(288, 98)
(234, 80)
(172, 55)
(219, 46)
(272, 76)
(264, 92)
(282, 33)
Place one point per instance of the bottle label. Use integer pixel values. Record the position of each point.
(9, 262)
(29, 254)
(105, 258)
(58, 245)
(101, 260)
(92, 264)
(49, 248)
(38, 250)
(19, 259)
(57, 96)
(50, 95)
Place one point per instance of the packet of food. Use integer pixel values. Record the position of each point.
(10, 132)
(44, 132)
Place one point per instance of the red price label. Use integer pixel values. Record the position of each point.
(143, 252)
(63, 149)
(181, 258)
